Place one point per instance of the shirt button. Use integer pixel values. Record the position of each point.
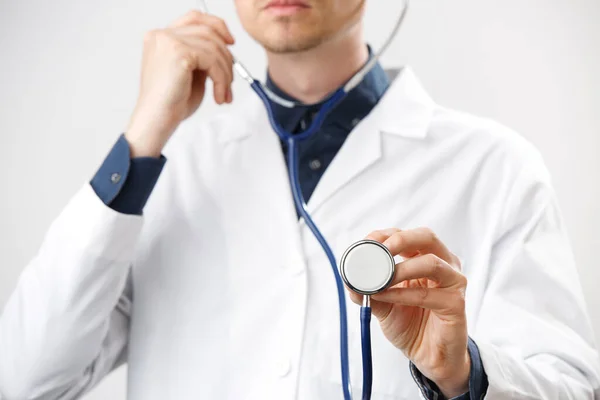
(115, 178)
(283, 367)
(315, 164)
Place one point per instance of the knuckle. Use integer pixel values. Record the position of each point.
(204, 31)
(457, 262)
(183, 56)
(179, 49)
(423, 293)
(163, 36)
(396, 240)
(435, 263)
(212, 47)
(186, 62)
(459, 301)
(217, 22)
(194, 15)
(150, 36)
(373, 234)
(462, 280)
(430, 234)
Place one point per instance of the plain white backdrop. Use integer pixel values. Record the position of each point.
(70, 72)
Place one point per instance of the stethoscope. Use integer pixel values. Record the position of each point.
(367, 267)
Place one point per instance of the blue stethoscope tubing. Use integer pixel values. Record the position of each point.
(292, 141)
(365, 311)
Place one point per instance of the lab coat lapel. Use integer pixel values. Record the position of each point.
(361, 149)
(405, 110)
(266, 173)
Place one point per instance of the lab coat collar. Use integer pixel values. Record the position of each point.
(358, 103)
(404, 110)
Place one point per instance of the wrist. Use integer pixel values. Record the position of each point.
(143, 147)
(458, 382)
(148, 136)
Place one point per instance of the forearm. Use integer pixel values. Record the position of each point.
(54, 324)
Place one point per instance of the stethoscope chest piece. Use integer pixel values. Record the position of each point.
(367, 267)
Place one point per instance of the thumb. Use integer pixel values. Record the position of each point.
(380, 309)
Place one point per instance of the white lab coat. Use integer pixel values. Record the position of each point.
(230, 297)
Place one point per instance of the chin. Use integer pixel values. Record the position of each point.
(289, 46)
(288, 39)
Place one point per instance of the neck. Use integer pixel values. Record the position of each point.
(311, 75)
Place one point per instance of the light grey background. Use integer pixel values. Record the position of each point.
(69, 78)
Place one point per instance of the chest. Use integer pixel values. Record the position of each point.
(230, 283)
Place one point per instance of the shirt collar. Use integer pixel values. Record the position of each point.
(356, 105)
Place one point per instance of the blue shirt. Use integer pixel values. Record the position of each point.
(125, 184)
(316, 153)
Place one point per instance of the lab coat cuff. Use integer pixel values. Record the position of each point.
(478, 380)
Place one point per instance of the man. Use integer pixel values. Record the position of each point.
(216, 290)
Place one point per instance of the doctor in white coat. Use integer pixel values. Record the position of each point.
(218, 291)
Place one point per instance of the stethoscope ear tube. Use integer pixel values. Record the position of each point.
(315, 125)
(292, 140)
(351, 84)
(302, 210)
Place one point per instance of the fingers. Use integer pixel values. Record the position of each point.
(412, 242)
(382, 235)
(426, 258)
(195, 17)
(431, 267)
(195, 33)
(208, 37)
(206, 58)
(213, 56)
(437, 299)
(422, 240)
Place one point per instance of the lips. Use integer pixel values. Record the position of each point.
(287, 5)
